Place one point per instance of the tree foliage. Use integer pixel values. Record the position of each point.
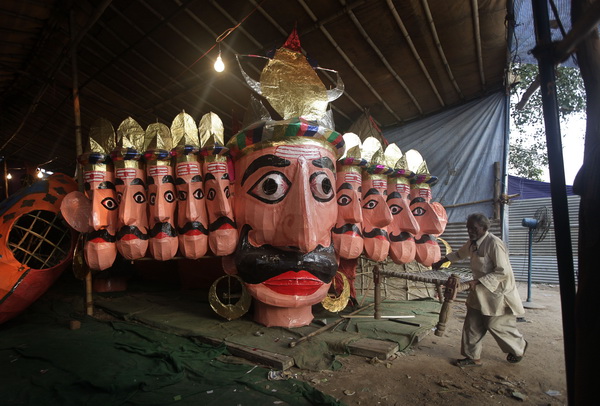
(528, 156)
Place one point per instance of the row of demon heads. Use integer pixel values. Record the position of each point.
(283, 201)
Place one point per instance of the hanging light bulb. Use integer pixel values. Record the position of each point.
(40, 174)
(9, 176)
(219, 65)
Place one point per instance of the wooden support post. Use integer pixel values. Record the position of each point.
(377, 283)
(497, 190)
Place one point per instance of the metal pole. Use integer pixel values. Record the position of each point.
(560, 209)
(529, 264)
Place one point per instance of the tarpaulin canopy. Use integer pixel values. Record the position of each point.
(460, 146)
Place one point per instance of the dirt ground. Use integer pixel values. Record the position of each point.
(425, 375)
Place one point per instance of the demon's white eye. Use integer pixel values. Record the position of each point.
(370, 204)
(418, 211)
(320, 186)
(344, 200)
(152, 199)
(395, 209)
(198, 194)
(110, 203)
(271, 188)
(139, 197)
(182, 195)
(169, 196)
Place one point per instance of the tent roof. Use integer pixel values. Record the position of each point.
(400, 60)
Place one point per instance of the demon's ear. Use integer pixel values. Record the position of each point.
(76, 209)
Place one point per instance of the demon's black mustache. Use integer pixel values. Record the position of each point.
(191, 226)
(424, 238)
(376, 232)
(403, 236)
(258, 264)
(166, 228)
(126, 230)
(220, 222)
(101, 234)
(346, 228)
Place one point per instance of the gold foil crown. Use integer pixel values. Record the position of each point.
(184, 130)
(211, 131)
(158, 137)
(130, 135)
(101, 137)
(291, 85)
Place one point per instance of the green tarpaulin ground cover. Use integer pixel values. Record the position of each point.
(43, 362)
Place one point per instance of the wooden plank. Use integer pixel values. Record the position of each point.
(368, 347)
(267, 358)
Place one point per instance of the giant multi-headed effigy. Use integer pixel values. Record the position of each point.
(284, 200)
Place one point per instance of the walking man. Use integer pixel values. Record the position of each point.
(493, 302)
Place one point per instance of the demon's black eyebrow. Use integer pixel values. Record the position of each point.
(372, 191)
(265, 160)
(324, 162)
(106, 185)
(137, 181)
(195, 178)
(417, 200)
(345, 185)
(209, 176)
(394, 195)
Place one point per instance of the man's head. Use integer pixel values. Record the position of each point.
(477, 225)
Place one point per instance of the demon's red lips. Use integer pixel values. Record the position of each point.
(193, 232)
(129, 237)
(294, 283)
(225, 226)
(98, 240)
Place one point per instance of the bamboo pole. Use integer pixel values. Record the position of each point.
(89, 301)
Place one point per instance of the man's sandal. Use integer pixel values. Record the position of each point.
(467, 362)
(513, 359)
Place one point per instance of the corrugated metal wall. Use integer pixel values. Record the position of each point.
(544, 268)
(543, 265)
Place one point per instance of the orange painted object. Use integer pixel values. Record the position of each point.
(192, 220)
(163, 243)
(28, 270)
(376, 216)
(347, 235)
(222, 229)
(404, 226)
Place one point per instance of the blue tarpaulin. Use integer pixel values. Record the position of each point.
(530, 189)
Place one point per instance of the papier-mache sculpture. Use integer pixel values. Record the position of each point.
(404, 226)
(95, 212)
(192, 220)
(163, 242)
(375, 211)
(285, 202)
(347, 233)
(223, 233)
(130, 182)
(431, 216)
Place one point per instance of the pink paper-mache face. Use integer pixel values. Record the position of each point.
(376, 216)
(130, 180)
(222, 229)
(404, 226)
(192, 220)
(286, 207)
(347, 234)
(100, 250)
(163, 241)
